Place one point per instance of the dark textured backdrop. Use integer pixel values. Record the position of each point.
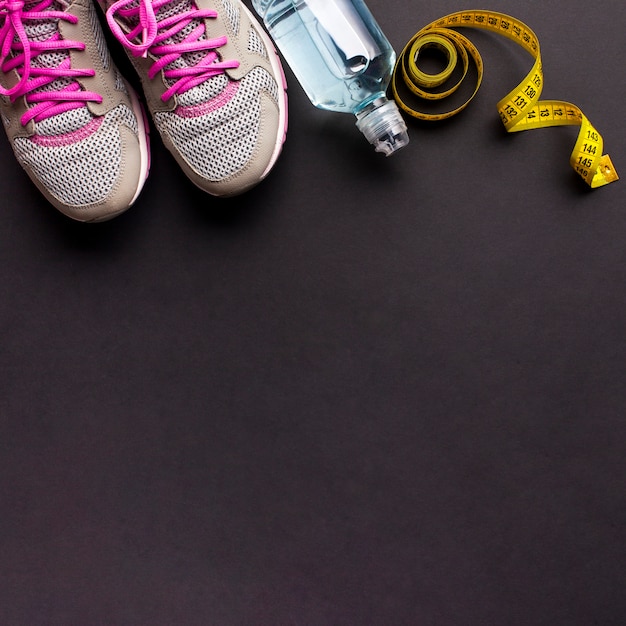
(386, 392)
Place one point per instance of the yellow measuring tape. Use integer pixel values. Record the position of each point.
(520, 109)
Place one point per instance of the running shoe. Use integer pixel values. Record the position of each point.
(75, 125)
(213, 84)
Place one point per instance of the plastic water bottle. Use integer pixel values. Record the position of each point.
(342, 60)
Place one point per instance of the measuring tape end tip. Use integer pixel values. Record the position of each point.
(607, 169)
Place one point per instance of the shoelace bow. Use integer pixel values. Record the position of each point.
(150, 34)
(17, 52)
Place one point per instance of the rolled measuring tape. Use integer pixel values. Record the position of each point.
(521, 109)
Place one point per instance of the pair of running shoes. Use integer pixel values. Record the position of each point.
(211, 80)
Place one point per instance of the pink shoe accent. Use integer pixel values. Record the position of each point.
(51, 141)
(212, 105)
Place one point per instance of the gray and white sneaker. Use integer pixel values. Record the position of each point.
(213, 83)
(73, 122)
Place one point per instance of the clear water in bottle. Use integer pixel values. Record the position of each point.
(342, 59)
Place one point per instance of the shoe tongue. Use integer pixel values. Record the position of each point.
(42, 30)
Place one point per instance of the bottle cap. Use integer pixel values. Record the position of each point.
(383, 126)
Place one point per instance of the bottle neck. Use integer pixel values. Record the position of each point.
(370, 103)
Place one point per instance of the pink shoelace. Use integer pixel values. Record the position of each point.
(17, 52)
(157, 36)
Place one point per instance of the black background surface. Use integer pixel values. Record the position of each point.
(371, 391)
